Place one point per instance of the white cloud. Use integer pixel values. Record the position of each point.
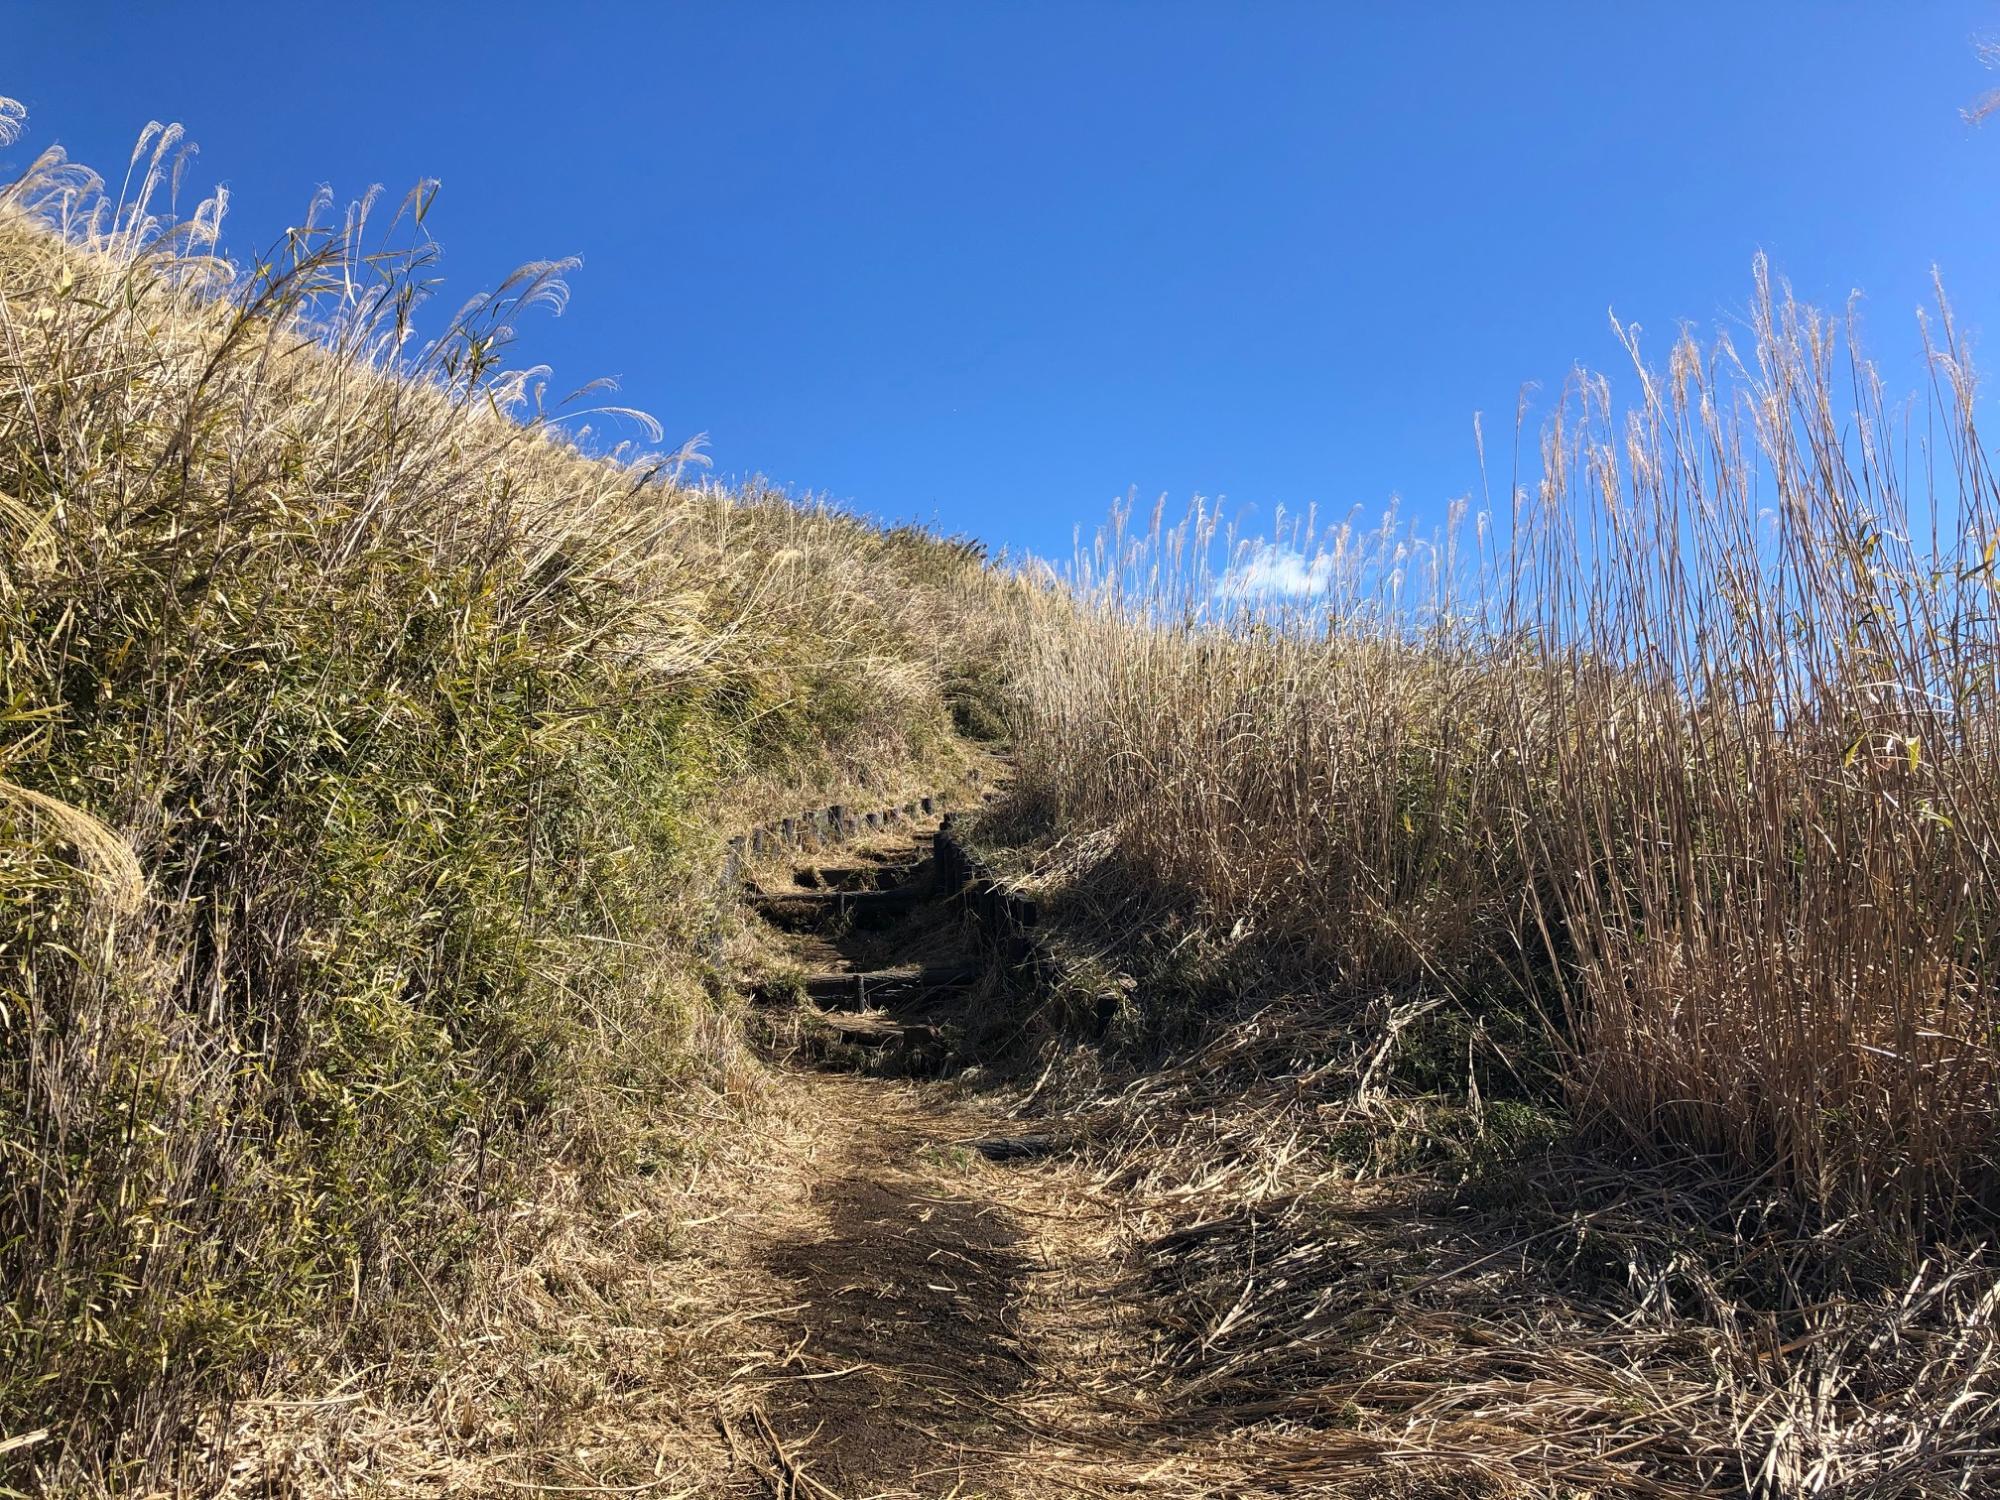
(1269, 571)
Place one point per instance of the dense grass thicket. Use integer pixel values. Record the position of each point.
(1690, 755)
(363, 751)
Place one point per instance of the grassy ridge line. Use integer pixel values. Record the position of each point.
(415, 725)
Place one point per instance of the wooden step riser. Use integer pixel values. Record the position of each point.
(843, 991)
(819, 911)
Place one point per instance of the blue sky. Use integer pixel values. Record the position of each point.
(992, 267)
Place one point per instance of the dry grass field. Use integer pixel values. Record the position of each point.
(1650, 810)
(1511, 1010)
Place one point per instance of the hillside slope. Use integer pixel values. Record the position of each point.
(365, 754)
(1517, 1021)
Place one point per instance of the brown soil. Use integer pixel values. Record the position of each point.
(917, 1338)
(908, 1315)
(907, 1325)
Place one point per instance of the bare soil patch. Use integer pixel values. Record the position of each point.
(906, 1337)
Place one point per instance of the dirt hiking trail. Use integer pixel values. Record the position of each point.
(920, 1271)
(917, 1252)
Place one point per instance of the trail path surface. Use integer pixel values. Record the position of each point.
(922, 1316)
(891, 1270)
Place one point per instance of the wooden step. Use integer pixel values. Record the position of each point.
(797, 910)
(873, 1029)
(878, 986)
(821, 878)
(850, 989)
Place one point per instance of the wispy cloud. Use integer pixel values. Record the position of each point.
(1268, 571)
